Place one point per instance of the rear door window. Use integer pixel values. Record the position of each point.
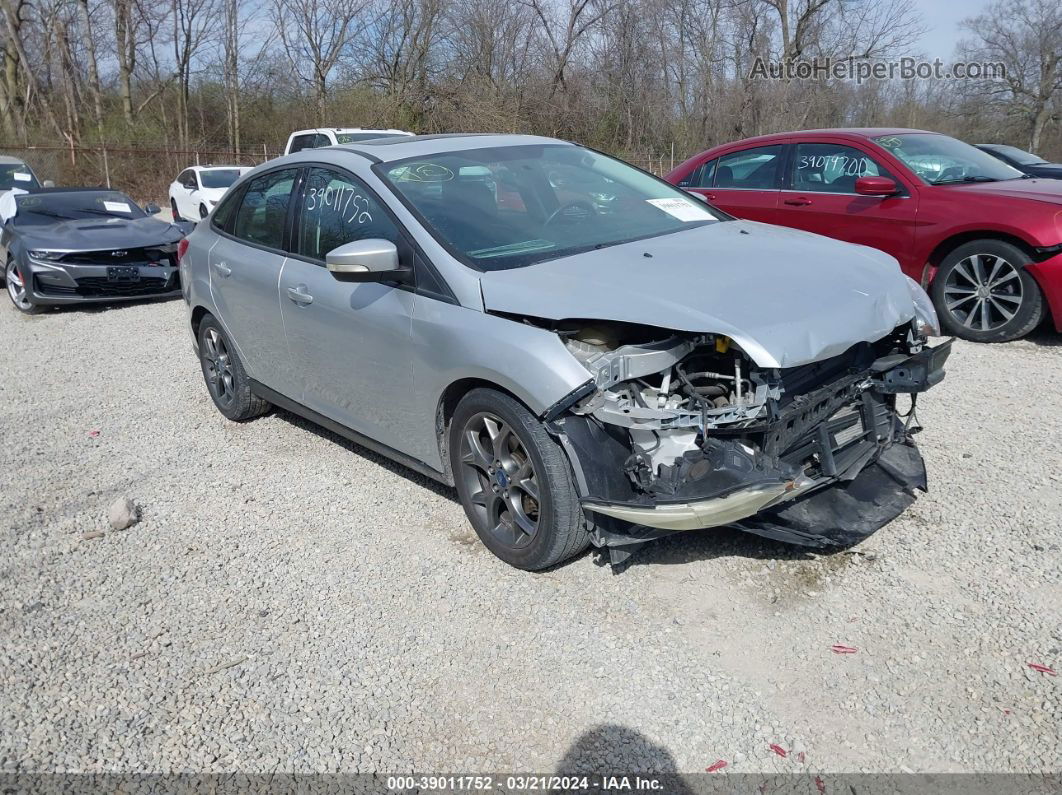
(300, 142)
(262, 215)
(758, 168)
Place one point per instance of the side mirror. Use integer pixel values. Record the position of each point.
(696, 195)
(151, 208)
(876, 186)
(47, 184)
(372, 260)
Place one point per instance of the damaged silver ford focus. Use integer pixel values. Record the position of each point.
(591, 356)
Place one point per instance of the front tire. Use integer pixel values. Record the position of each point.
(983, 293)
(18, 289)
(514, 482)
(226, 380)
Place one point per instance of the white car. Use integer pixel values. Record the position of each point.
(197, 189)
(331, 136)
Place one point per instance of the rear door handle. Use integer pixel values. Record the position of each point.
(299, 295)
(801, 202)
(222, 269)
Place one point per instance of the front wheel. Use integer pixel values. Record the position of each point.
(983, 292)
(226, 380)
(18, 289)
(514, 482)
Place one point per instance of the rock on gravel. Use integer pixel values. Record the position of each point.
(374, 632)
(123, 513)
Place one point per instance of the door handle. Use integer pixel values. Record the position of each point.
(222, 269)
(710, 196)
(299, 295)
(800, 202)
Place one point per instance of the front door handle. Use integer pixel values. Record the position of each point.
(799, 202)
(710, 196)
(222, 269)
(299, 295)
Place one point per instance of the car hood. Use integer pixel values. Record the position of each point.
(1036, 189)
(91, 234)
(786, 297)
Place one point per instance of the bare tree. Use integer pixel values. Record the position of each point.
(314, 34)
(1025, 36)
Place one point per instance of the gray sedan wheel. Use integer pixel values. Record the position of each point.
(984, 294)
(226, 380)
(18, 290)
(515, 482)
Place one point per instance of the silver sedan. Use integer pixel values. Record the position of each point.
(590, 355)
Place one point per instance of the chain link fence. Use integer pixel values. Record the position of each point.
(145, 174)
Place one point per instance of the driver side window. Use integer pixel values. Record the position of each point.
(337, 208)
(832, 168)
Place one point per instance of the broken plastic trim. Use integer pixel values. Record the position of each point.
(569, 400)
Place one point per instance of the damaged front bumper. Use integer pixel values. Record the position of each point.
(827, 468)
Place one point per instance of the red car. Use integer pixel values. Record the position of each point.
(983, 238)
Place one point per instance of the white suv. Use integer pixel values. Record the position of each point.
(330, 136)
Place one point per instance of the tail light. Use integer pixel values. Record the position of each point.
(182, 247)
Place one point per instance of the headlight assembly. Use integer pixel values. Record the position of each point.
(926, 322)
(46, 254)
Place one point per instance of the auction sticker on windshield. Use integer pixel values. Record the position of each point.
(682, 209)
(116, 207)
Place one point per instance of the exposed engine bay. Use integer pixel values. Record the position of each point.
(708, 438)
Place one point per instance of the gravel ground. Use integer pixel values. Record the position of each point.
(290, 602)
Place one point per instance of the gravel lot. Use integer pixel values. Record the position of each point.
(290, 602)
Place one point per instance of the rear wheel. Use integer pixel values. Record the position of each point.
(173, 209)
(202, 211)
(514, 482)
(18, 289)
(984, 294)
(226, 380)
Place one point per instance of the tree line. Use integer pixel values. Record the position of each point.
(626, 76)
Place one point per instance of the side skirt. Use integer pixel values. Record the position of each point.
(294, 407)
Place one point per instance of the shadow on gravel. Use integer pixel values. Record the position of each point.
(94, 308)
(714, 542)
(391, 466)
(610, 749)
(1045, 336)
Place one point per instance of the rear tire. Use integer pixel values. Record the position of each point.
(983, 293)
(226, 380)
(203, 212)
(173, 209)
(18, 290)
(515, 482)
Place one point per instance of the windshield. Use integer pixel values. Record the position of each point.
(45, 208)
(349, 138)
(1019, 155)
(219, 177)
(17, 176)
(940, 160)
(512, 206)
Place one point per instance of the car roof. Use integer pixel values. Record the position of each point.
(213, 167)
(8, 160)
(842, 132)
(391, 149)
(351, 130)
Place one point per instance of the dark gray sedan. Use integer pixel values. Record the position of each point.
(75, 245)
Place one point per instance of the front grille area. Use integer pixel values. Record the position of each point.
(101, 287)
(132, 256)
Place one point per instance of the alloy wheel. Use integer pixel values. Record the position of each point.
(983, 292)
(501, 480)
(16, 287)
(218, 367)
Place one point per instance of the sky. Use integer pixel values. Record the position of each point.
(941, 20)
